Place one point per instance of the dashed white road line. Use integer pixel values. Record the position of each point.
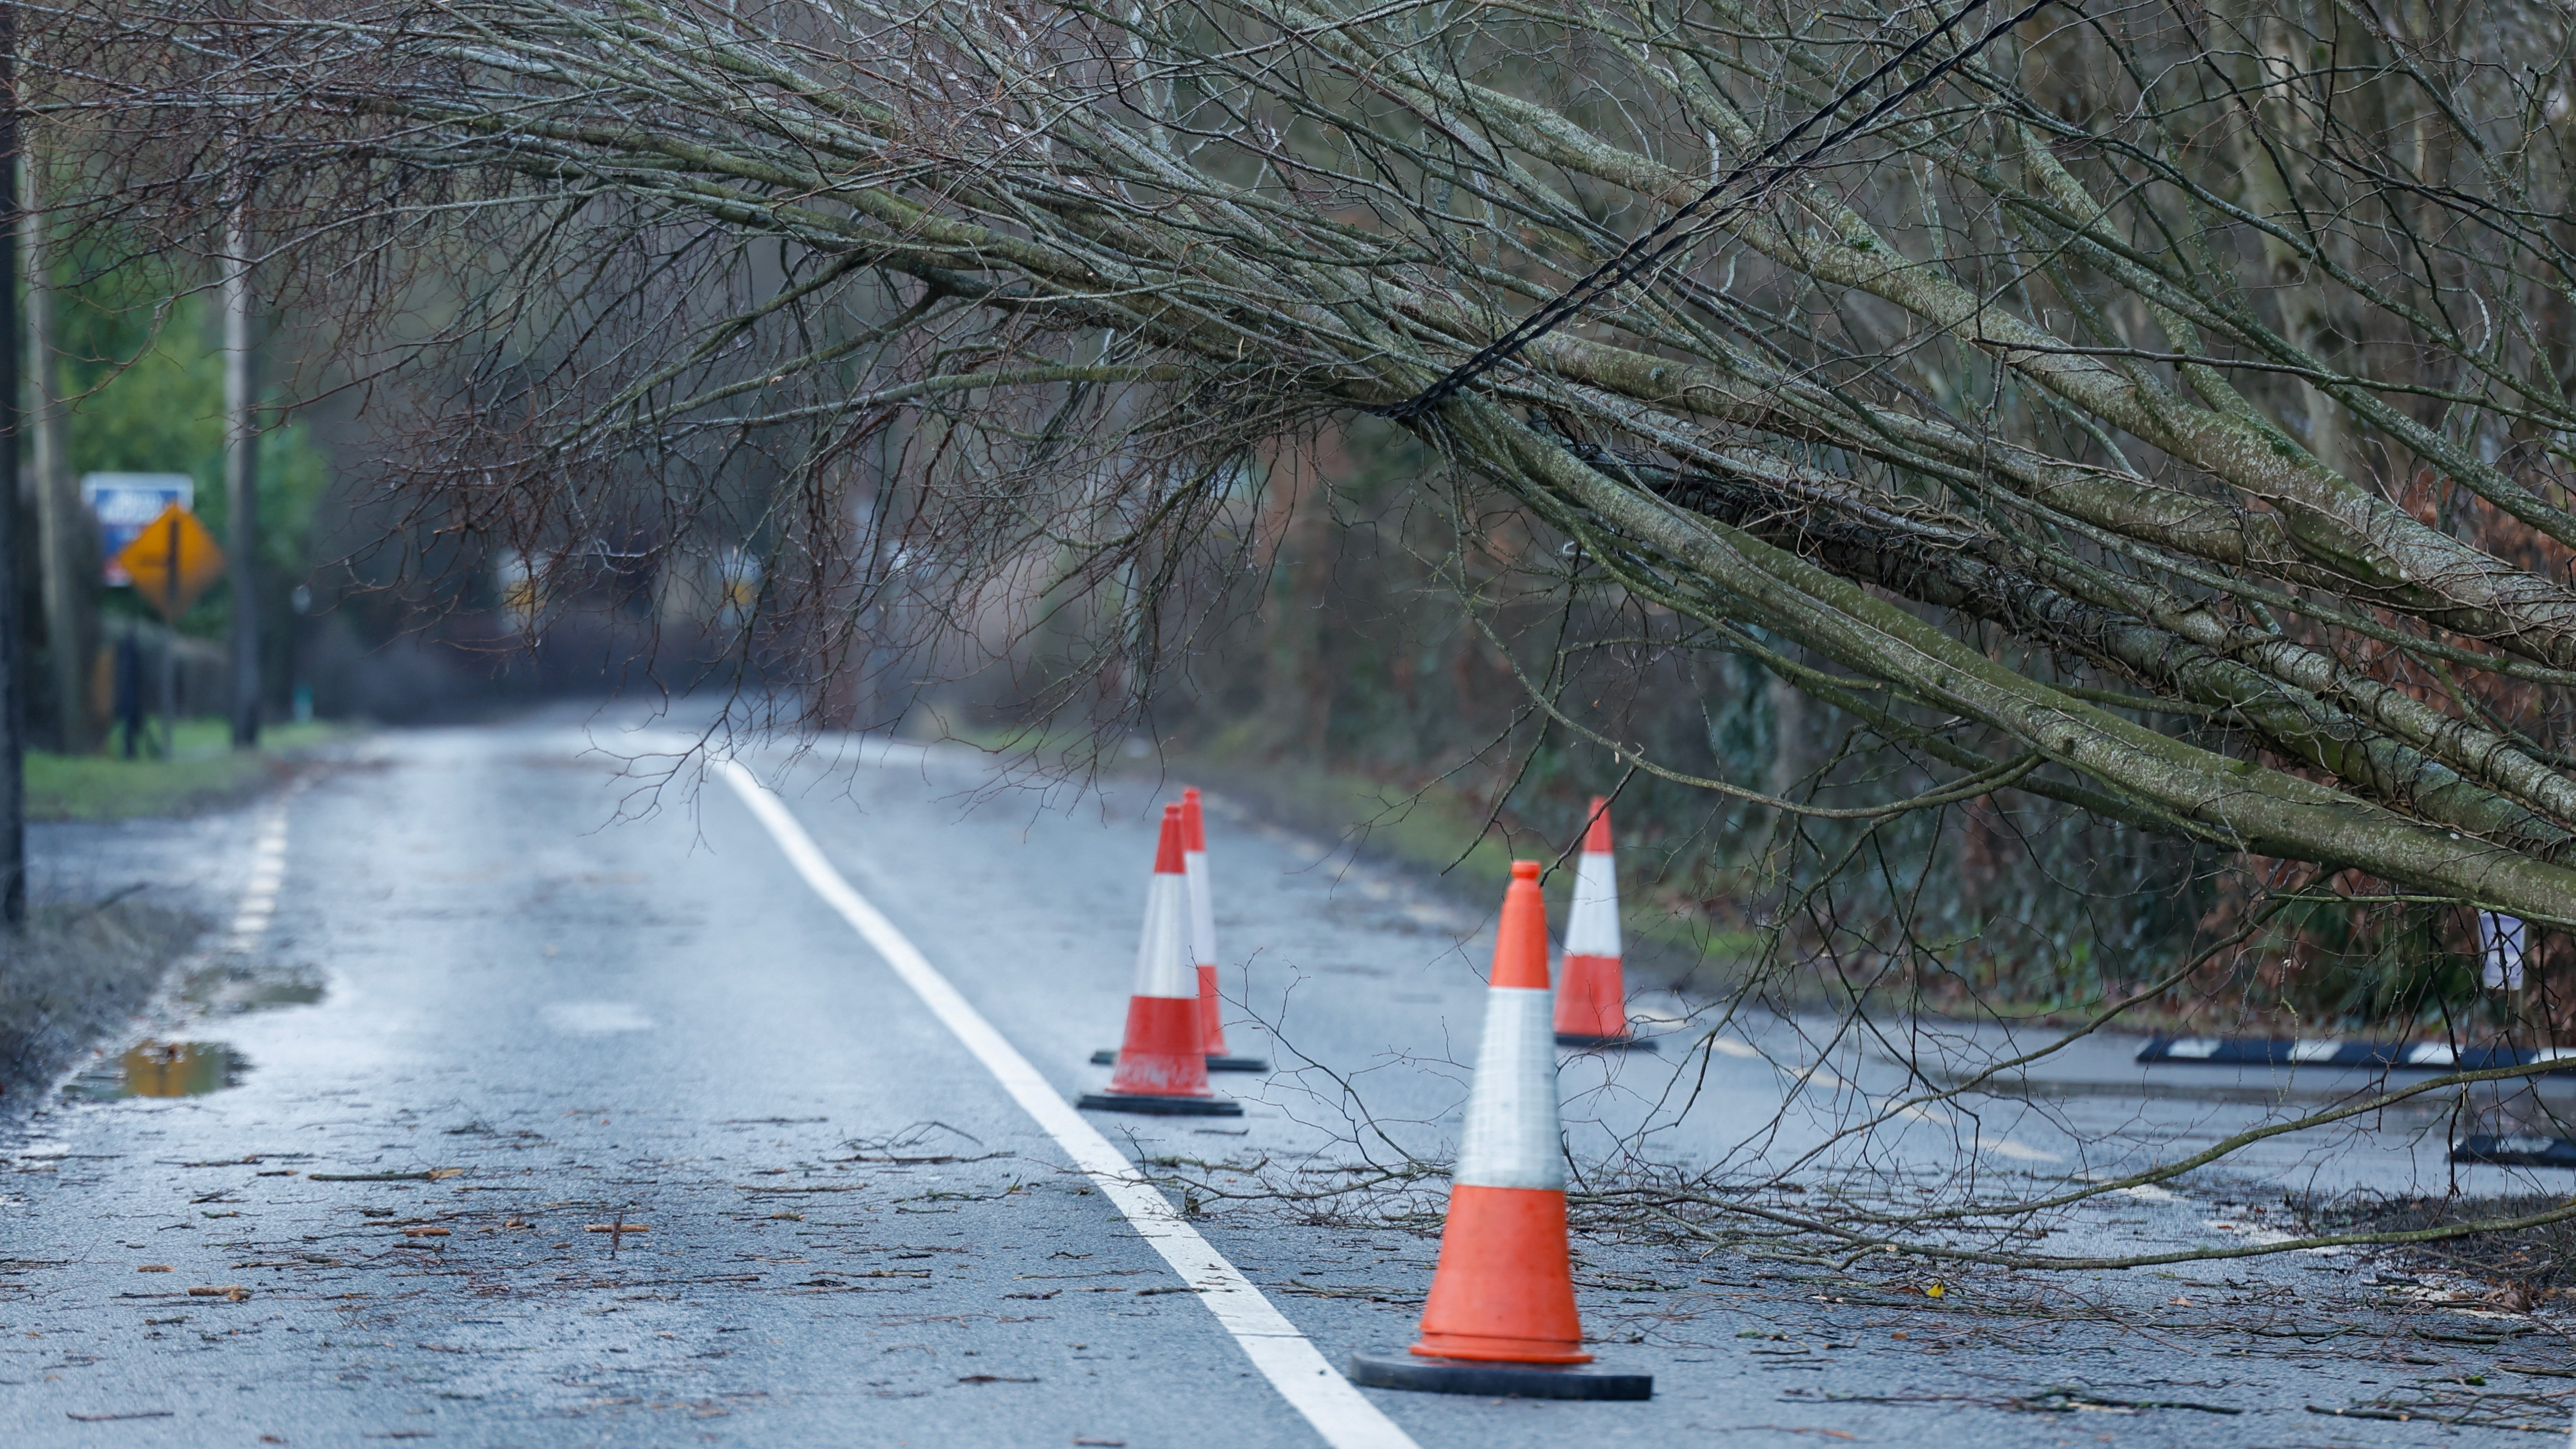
(2017, 1151)
(1339, 1413)
(267, 873)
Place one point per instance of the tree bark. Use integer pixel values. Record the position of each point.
(13, 771)
(65, 534)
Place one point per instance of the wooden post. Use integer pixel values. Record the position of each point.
(241, 480)
(170, 646)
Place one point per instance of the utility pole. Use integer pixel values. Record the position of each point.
(70, 550)
(241, 474)
(13, 760)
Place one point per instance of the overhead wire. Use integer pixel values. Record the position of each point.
(1757, 177)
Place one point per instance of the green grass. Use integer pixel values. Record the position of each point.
(1437, 827)
(203, 772)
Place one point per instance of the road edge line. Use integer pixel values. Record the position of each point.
(1286, 1357)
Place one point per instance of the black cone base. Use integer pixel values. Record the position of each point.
(1494, 1380)
(1608, 1043)
(1214, 1064)
(1160, 1106)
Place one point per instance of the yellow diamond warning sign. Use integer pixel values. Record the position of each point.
(172, 561)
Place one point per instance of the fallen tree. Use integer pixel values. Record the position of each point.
(2162, 411)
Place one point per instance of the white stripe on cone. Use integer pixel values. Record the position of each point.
(1202, 908)
(1512, 1137)
(1163, 965)
(1592, 925)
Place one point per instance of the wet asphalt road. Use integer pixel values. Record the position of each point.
(852, 1235)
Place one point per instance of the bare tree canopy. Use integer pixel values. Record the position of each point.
(2158, 366)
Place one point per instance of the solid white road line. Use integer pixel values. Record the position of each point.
(1344, 1418)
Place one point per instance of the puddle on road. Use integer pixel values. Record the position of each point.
(163, 1069)
(158, 1068)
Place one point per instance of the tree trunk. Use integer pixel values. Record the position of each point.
(13, 771)
(64, 531)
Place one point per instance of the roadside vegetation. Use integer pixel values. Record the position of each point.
(136, 357)
(202, 772)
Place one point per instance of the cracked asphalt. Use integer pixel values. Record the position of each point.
(604, 1129)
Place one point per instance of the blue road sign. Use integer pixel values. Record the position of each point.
(123, 503)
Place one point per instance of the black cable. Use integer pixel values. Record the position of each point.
(1767, 172)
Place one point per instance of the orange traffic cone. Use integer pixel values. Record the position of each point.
(1194, 863)
(1194, 859)
(1592, 1002)
(1501, 1319)
(1160, 1066)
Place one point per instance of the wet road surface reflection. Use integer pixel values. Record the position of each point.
(164, 1069)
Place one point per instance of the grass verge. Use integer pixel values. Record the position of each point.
(202, 772)
(1440, 829)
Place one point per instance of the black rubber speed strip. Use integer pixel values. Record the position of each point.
(1107, 1058)
(2516, 1151)
(1607, 1043)
(1160, 1106)
(1494, 1380)
(2422, 1056)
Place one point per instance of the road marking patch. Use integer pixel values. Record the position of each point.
(1339, 1413)
(597, 1018)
